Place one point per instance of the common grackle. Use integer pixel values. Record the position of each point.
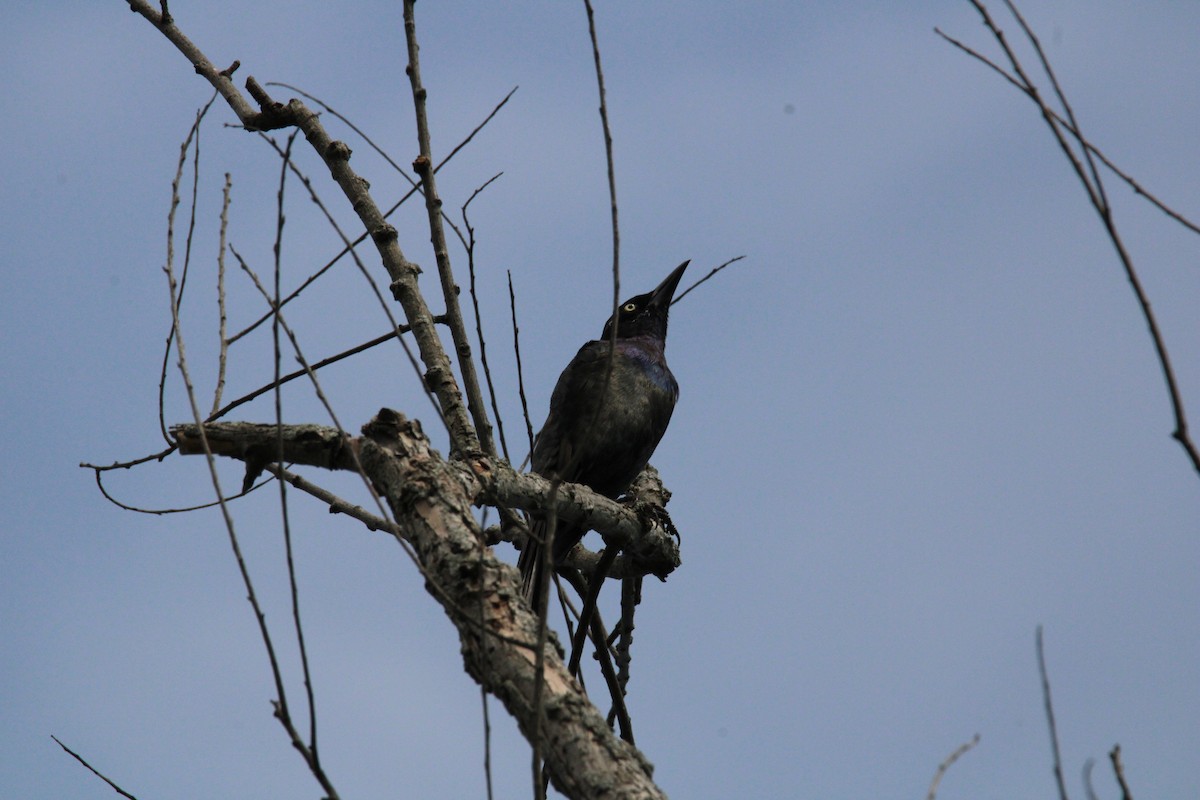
(604, 439)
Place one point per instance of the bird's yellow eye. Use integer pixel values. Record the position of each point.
(630, 307)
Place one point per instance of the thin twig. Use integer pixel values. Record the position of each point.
(336, 504)
(1094, 187)
(1058, 770)
(543, 604)
(184, 148)
(1088, 766)
(604, 657)
(285, 517)
(94, 771)
(433, 206)
(631, 596)
(281, 708)
(711, 272)
(483, 360)
(291, 376)
(99, 471)
(512, 304)
(1133, 184)
(366, 273)
(958, 753)
(1115, 757)
(389, 525)
(608, 155)
(222, 337)
(387, 214)
(336, 156)
(595, 581)
(483, 698)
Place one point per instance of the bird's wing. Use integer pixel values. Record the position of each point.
(572, 405)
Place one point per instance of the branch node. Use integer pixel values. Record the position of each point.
(338, 151)
(384, 234)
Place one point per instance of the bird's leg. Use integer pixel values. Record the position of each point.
(652, 515)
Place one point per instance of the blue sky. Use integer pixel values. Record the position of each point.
(920, 419)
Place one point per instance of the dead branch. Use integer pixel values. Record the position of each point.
(432, 499)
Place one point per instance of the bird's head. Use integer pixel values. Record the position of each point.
(646, 314)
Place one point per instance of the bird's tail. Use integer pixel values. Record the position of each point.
(532, 565)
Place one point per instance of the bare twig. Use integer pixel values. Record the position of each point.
(387, 215)
(711, 273)
(99, 471)
(281, 708)
(222, 338)
(1115, 757)
(944, 767)
(604, 657)
(1058, 770)
(595, 581)
(512, 304)
(336, 155)
(1133, 184)
(94, 771)
(1088, 766)
(366, 273)
(543, 605)
(351, 462)
(608, 155)
(184, 148)
(291, 376)
(423, 165)
(1066, 132)
(631, 596)
(285, 517)
(487, 372)
(336, 504)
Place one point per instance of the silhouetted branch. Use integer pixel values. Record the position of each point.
(281, 706)
(711, 273)
(1058, 771)
(1115, 757)
(336, 156)
(222, 338)
(184, 148)
(1065, 133)
(362, 268)
(608, 156)
(944, 767)
(94, 771)
(285, 517)
(512, 304)
(291, 376)
(423, 166)
(1088, 766)
(387, 215)
(469, 244)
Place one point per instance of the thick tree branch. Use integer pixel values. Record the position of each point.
(640, 531)
(432, 500)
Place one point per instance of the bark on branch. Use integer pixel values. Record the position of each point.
(638, 528)
(431, 499)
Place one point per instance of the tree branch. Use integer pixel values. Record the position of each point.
(336, 155)
(431, 499)
(638, 531)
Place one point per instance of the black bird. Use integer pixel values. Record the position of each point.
(605, 439)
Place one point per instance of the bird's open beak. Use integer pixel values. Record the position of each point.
(662, 294)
